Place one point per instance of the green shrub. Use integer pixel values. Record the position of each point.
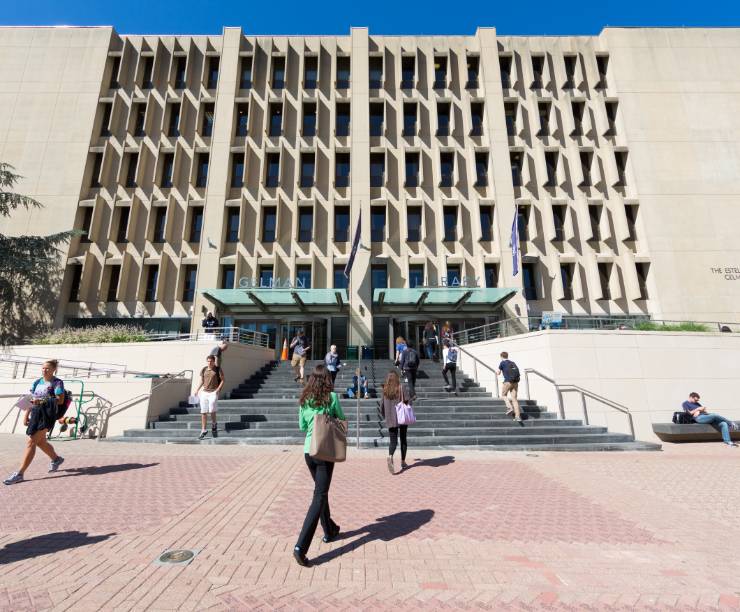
(672, 327)
(92, 335)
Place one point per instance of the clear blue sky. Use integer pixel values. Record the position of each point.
(381, 17)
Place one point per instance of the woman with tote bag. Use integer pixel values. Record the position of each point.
(321, 417)
(395, 404)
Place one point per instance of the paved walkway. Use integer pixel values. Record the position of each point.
(458, 530)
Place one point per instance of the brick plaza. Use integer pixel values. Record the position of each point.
(457, 530)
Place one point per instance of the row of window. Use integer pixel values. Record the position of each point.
(544, 113)
(552, 159)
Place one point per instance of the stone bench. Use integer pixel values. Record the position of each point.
(693, 432)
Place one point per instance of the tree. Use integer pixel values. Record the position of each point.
(30, 270)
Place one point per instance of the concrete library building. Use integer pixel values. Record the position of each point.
(359, 186)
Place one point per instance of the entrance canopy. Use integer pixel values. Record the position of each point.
(279, 301)
(440, 299)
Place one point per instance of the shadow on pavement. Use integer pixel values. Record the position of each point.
(433, 462)
(47, 544)
(97, 470)
(385, 528)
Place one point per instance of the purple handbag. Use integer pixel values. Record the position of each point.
(404, 412)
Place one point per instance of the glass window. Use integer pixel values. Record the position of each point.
(228, 277)
(453, 275)
(305, 224)
(196, 223)
(620, 158)
(139, 126)
(173, 129)
(570, 71)
(558, 217)
(115, 275)
(340, 280)
(303, 277)
(605, 272)
(566, 276)
(202, 178)
(180, 64)
(276, 119)
(269, 224)
(232, 223)
(450, 223)
(273, 170)
(97, 165)
(379, 276)
(310, 72)
(160, 224)
(266, 276)
(510, 113)
(245, 73)
(377, 169)
(151, 283)
(529, 281)
(538, 66)
(376, 72)
(242, 119)
(481, 168)
(105, 122)
(602, 61)
(208, 113)
(486, 223)
(577, 108)
(237, 170)
(516, 168)
(440, 72)
(309, 120)
(342, 126)
(490, 271)
(188, 287)
(213, 63)
(377, 223)
(115, 69)
(308, 169)
(413, 220)
(409, 119)
(168, 165)
(123, 217)
(642, 268)
(443, 119)
(408, 69)
(416, 275)
(342, 170)
(504, 62)
(376, 119)
(543, 109)
(412, 169)
(476, 113)
(343, 72)
(341, 224)
(585, 168)
(133, 160)
(86, 223)
(611, 115)
(446, 168)
(473, 66)
(278, 72)
(551, 164)
(74, 285)
(630, 211)
(146, 80)
(522, 222)
(594, 215)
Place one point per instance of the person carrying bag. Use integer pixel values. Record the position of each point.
(321, 417)
(398, 415)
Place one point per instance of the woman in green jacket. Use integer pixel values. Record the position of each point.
(317, 397)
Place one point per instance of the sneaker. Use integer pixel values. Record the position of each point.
(203, 434)
(730, 444)
(54, 465)
(214, 432)
(518, 419)
(367, 396)
(14, 478)
(391, 468)
(734, 426)
(404, 465)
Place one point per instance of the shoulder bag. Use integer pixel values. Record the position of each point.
(404, 412)
(329, 438)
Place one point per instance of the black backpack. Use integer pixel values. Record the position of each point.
(513, 372)
(412, 359)
(683, 418)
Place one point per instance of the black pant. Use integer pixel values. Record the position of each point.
(333, 375)
(411, 376)
(321, 472)
(452, 369)
(393, 432)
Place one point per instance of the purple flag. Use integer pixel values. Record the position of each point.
(515, 242)
(355, 245)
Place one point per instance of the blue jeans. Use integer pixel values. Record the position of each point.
(430, 348)
(718, 422)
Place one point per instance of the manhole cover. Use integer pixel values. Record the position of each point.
(175, 557)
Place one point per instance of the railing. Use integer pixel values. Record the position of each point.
(477, 361)
(27, 366)
(230, 334)
(584, 393)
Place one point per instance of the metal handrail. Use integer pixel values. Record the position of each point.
(230, 334)
(476, 361)
(561, 388)
(75, 368)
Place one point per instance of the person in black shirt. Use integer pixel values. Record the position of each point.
(209, 323)
(511, 386)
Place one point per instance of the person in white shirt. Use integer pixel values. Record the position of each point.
(449, 365)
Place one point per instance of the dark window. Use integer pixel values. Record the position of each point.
(570, 71)
(196, 223)
(228, 277)
(522, 222)
(642, 268)
(303, 276)
(473, 66)
(168, 167)
(308, 169)
(453, 275)
(133, 159)
(305, 224)
(266, 276)
(273, 170)
(310, 72)
(173, 128)
(490, 272)
(476, 115)
(486, 223)
(538, 66)
(213, 63)
(208, 112)
(377, 223)
(309, 120)
(630, 211)
(233, 216)
(504, 62)
(343, 72)
(611, 116)
(585, 157)
(481, 168)
(558, 218)
(602, 61)
(377, 169)
(123, 217)
(578, 109)
(516, 168)
(529, 281)
(376, 72)
(341, 224)
(151, 283)
(594, 216)
(412, 169)
(409, 119)
(278, 72)
(74, 285)
(413, 220)
(342, 126)
(97, 164)
(160, 224)
(342, 170)
(276, 119)
(510, 113)
(340, 280)
(620, 158)
(146, 81)
(376, 119)
(449, 214)
(605, 272)
(115, 275)
(379, 276)
(416, 275)
(543, 110)
(237, 170)
(440, 72)
(188, 285)
(446, 168)
(105, 122)
(443, 119)
(269, 224)
(139, 125)
(242, 119)
(408, 69)
(566, 276)
(180, 64)
(551, 164)
(202, 178)
(86, 223)
(115, 69)
(245, 73)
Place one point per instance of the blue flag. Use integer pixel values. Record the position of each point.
(515, 242)
(355, 245)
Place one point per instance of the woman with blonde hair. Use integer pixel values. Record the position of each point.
(393, 392)
(400, 347)
(47, 395)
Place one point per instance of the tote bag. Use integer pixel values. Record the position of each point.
(329, 438)
(404, 412)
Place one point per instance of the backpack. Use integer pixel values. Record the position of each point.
(61, 410)
(513, 372)
(412, 358)
(683, 418)
(452, 355)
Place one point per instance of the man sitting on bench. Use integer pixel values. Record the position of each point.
(701, 415)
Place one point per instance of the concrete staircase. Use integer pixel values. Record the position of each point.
(264, 410)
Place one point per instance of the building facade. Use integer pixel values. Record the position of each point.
(230, 173)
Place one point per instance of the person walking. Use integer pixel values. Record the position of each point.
(510, 388)
(299, 345)
(211, 382)
(333, 362)
(447, 332)
(393, 393)
(400, 347)
(409, 365)
(317, 397)
(449, 365)
(218, 350)
(209, 323)
(430, 340)
(703, 416)
(47, 395)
